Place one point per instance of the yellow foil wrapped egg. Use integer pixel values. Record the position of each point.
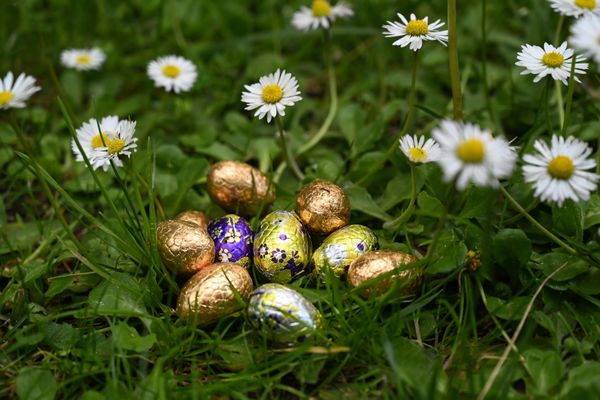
(196, 217)
(184, 247)
(371, 265)
(211, 293)
(239, 187)
(343, 246)
(282, 247)
(282, 314)
(323, 207)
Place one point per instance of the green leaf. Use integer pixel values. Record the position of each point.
(572, 266)
(511, 249)
(568, 219)
(546, 369)
(121, 296)
(126, 337)
(480, 202)
(511, 310)
(449, 254)
(429, 205)
(361, 200)
(36, 384)
(60, 336)
(582, 382)
(592, 212)
(588, 283)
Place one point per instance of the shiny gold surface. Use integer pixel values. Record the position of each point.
(373, 264)
(184, 246)
(239, 187)
(323, 207)
(196, 217)
(208, 295)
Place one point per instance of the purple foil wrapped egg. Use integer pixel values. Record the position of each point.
(233, 239)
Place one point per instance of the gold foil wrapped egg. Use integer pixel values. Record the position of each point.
(373, 264)
(209, 295)
(282, 314)
(343, 246)
(282, 247)
(239, 187)
(184, 247)
(196, 217)
(323, 207)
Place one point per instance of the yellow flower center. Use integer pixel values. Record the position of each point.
(471, 151)
(561, 167)
(115, 145)
(589, 4)
(417, 154)
(5, 97)
(83, 59)
(172, 71)
(272, 94)
(417, 27)
(97, 140)
(321, 8)
(553, 59)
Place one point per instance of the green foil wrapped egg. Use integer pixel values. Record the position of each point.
(282, 247)
(343, 246)
(282, 314)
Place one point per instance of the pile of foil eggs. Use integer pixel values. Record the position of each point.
(219, 255)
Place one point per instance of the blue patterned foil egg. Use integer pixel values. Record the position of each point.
(233, 239)
(282, 247)
(343, 246)
(282, 314)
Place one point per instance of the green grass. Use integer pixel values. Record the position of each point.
(86, 306)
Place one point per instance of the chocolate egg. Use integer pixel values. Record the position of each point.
(323, 207)
(373, 264)
(281, 247)
(209, 295)
(239, 187)
(342, 247)
(233, 239)
(282, 314)
(184, 247)
(197, 217)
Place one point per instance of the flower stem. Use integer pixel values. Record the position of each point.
(541, 227)
(333, 98)
(291, 161)
(561, 21)
(453, 61)
(409, 113)
(402, 218)
(569, 102)
(441, 222)
(559, 103)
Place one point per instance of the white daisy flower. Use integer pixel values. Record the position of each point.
(418, 150)
(321, 13)
(472, 155)
(13, 94)
(559, 172)
(585, 36)
(83, 59)
(575, 8)
(414, 32)
(272, 94)
(114, 139)
(553, 61)
(173, 73)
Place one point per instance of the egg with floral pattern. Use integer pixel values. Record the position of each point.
(343, 246)
(282, 314)
(282, 247)
(233, 239)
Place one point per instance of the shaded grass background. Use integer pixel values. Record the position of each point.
(94, 317)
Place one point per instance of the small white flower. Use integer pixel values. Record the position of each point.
(13, 94)
(472, 155)
(418, 150)
(414, 32)
(321, 13)
(173, 73)
(83, 59)
(113, 139)
(575, 8)
(585, 36)
(559, 172)
(272, 94)
(553, 61)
